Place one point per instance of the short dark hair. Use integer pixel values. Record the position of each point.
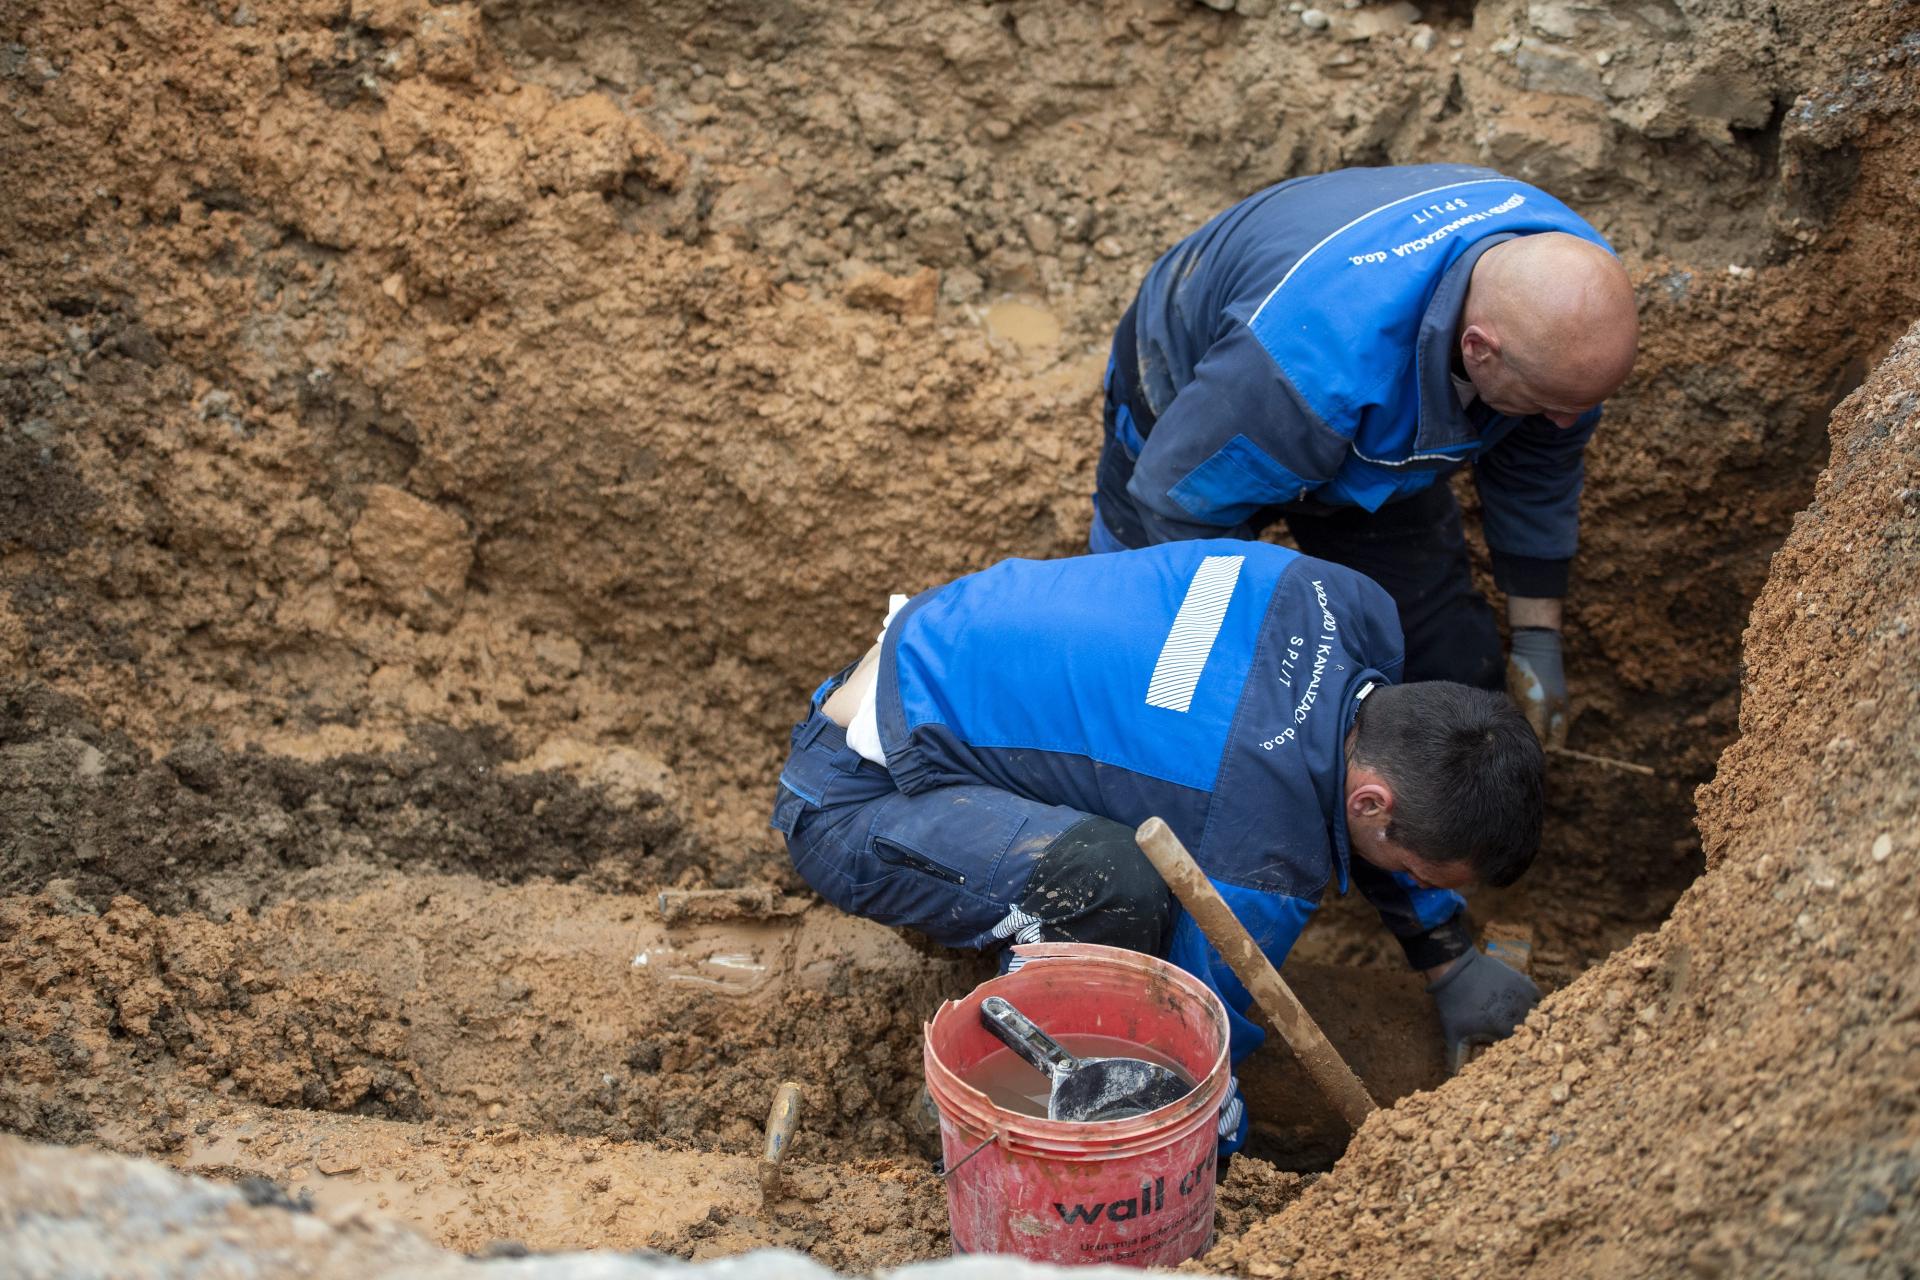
(1467, 773)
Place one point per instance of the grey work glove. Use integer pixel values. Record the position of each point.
(1537, 680)
(1480, 1000)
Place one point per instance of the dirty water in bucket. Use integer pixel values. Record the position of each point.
(1013, 1084)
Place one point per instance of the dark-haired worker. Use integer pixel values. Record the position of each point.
(978, 775)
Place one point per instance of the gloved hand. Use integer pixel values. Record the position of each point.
(1537, 680)
(1480, 1000)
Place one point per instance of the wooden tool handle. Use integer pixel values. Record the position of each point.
(782, 1119)
(1236, 946)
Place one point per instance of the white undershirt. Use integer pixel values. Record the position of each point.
(1463, 388)
(863, 731)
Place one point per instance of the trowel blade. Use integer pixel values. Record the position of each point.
(1113, 1089)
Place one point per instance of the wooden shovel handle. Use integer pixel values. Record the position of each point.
(1236, 946)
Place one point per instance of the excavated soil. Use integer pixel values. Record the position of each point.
(1735, 1094)
(442, 444)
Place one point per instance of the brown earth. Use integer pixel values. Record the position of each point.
(1733, 1095)
(440, 446)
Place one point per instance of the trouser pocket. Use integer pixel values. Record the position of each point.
(899, 855)
(788, 805)
(823, 774)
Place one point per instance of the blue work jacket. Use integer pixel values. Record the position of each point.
(1299, 347)
(1210, 683)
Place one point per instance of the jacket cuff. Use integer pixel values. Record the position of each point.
(1528, 576)
(1445, 941)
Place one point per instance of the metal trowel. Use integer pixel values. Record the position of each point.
(1084, 1089)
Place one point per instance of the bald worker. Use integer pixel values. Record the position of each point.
(1328, 351)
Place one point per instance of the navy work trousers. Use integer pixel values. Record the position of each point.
(970, 866)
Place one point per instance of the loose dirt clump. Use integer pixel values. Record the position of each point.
(110, 1018)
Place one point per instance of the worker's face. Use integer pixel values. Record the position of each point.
(1369, 806)
(1524, 389)
(1375, 848)
(1506, 391)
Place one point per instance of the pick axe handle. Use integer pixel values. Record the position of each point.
(1236, 946)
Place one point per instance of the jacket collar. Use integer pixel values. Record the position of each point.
(1342, 846)
(1446, 427)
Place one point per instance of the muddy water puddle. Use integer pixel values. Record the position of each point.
(733, 962)
(1024, 324)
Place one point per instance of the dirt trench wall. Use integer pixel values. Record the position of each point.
(590, 373)
(450, 440)
(207, 829)
(1733, 1095)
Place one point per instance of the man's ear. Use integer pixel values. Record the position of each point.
(1477, 346)
(1373, 798)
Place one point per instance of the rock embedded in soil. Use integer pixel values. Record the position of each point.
(910, 297)
(416, 554)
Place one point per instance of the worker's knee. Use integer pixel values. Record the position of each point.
(1094, 885)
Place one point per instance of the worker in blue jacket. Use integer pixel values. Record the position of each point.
(1327, 351)
(979, 774)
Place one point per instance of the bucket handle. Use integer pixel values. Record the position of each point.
(991, 1139)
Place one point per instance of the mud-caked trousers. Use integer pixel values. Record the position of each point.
(970, 866)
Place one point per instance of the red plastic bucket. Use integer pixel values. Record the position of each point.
(1137, 1192)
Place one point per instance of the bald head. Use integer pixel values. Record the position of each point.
(1549, 326)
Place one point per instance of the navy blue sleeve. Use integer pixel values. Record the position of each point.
(1430, 923)
(1530, 503)
(1234, 440)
